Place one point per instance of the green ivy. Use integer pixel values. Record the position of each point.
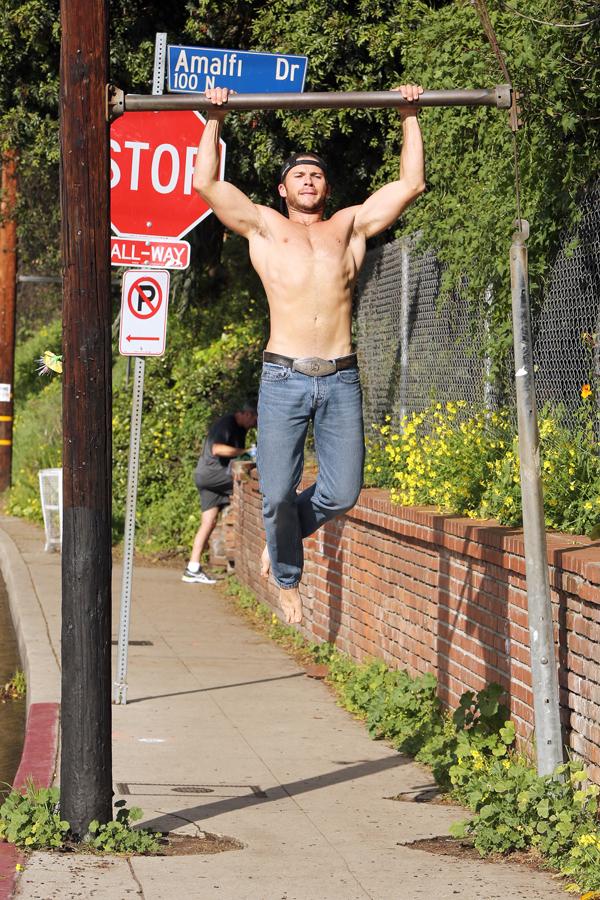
(119, 836)
(32, 821)
(515, 809)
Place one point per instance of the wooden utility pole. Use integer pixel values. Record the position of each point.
(8, 290)
(86, 760)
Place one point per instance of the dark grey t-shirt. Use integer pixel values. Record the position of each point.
(214, 470)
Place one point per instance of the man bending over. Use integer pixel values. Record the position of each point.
(308, 266)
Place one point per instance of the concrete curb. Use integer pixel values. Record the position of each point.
(41, 667)
(38, 760)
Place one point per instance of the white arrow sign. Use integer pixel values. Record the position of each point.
(144, 304)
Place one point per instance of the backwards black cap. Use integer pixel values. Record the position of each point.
(306, 158)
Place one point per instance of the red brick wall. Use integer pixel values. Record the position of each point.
(435, 593)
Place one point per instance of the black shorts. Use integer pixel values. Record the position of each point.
(213, 493)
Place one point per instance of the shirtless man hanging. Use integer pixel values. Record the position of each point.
(308, 266)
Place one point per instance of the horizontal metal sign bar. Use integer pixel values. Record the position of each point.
(499, 96)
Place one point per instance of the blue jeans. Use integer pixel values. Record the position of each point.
(287, 402)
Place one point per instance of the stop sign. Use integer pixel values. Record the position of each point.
(152, 156)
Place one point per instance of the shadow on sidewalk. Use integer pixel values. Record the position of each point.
(216, 687)
(279, 792)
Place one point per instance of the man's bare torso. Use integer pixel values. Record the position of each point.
(308, 272)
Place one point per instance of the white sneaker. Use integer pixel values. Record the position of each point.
(198, 577)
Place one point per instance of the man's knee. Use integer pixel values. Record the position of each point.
(277, 497)
(341, 501)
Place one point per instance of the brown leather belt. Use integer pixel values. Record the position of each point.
(312, 365)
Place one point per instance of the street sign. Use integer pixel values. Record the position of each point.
(152, 157)
(144, 303)
(151, 253)
(194, 69)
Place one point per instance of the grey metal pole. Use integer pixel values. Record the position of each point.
(499, 96)
(404, 326)
(544, 670)
(120, 685)
(490, 399)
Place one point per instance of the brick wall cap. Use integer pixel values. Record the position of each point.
(571, 553)
(241, 468)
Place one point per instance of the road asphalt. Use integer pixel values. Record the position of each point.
(223, 732)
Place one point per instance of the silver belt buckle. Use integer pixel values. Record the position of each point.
(314, 366)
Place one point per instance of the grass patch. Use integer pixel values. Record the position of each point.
(15, 689)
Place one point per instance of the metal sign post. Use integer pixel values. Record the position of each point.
(544, 670)
(120, 685)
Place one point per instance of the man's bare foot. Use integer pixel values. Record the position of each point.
(291, 605)
(265, 563)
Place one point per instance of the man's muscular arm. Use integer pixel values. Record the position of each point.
(382, 208)
(235, 210)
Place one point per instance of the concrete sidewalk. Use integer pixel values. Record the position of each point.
(222, 731)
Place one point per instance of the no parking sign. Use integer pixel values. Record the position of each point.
(144, 304)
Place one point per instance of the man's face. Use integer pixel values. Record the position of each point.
(249, 419)
(305, 188)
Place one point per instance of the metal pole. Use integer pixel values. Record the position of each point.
(404, 326)
(490, 393)
(544, 670)
(120, 685)
(86, 758)
(8, 292)
(499, 96)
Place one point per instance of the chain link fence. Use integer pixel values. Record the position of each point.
(413, 349)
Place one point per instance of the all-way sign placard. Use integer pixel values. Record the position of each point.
(144, 304)
(149, 253)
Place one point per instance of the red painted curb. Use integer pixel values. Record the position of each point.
(39, 750)
(37, 763)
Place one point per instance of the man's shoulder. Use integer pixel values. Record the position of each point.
(222, 422)
(347, 213)
(269, 221)
(271, 215)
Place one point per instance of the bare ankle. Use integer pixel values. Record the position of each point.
(265, 563)
(291, 604)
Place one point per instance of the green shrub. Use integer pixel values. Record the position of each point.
(119, 836)
(32, 821)
(515, 809)
(439, 457)
(470, 466)
(37, 445)
(570, 476)
(27, 355)
(184, 392)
